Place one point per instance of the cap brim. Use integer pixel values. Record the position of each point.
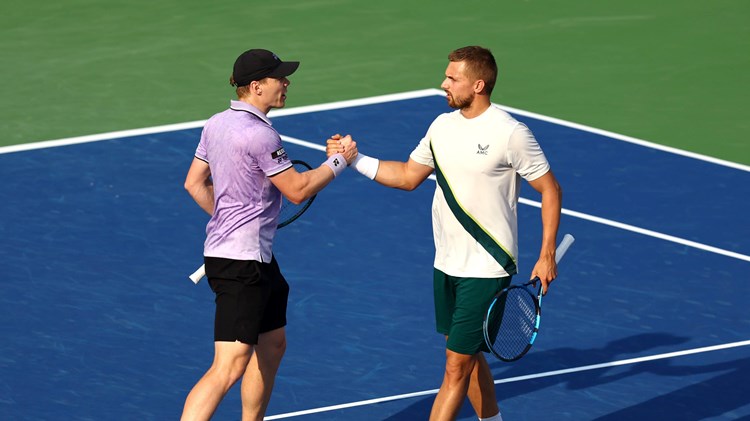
(285, 69)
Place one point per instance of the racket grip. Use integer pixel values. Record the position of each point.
(198, 274)
(563, 247)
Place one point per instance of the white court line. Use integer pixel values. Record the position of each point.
(581, 215)
(633, 228)
(643, 231)
(303, 143)
(199, 123)
(517, 379)
(362, 102)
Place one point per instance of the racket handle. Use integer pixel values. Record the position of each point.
(559, 253)
(198, 274)
(563, 247)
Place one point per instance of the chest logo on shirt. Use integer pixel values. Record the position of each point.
(279, 155)
(482, 150)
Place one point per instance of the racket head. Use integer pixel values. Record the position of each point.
(289, 211)
(512, 322)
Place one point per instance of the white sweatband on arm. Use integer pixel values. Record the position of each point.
(366, 165)
(337, 164)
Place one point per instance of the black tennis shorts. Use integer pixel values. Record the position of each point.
(251, 298)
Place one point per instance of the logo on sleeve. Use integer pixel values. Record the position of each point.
(482, 150)
(279, 155)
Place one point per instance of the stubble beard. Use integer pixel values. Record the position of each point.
(460, 103)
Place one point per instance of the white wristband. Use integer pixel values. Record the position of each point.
(337, 164)
(366, 165)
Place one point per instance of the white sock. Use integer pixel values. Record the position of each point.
(497, 417)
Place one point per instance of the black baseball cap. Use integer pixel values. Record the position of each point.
(257, 64)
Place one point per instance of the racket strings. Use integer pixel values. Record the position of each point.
(515, 323)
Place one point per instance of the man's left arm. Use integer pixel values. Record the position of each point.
(546, 268)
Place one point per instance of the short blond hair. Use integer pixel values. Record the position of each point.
(480, 64)
(242, 91)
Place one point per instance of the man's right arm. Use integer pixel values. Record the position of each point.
(298, 187)
(200, 186)
(400, 175)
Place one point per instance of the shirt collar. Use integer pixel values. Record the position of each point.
(244, 106)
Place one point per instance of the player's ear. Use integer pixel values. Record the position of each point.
(255, 87)
(479, 86)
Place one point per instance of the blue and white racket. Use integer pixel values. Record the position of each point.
(512, 320)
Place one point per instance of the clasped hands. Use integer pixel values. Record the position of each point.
(344, 145)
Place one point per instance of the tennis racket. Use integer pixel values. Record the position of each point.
(289, 213)
(512, 320)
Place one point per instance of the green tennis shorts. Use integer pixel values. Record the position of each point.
(460, 306)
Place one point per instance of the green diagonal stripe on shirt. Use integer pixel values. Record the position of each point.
(493, 247)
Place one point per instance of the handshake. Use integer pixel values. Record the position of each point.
(345, 145)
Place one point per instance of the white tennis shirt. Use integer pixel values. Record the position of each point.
(483, 160)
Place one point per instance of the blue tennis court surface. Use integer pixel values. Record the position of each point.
(648, 319)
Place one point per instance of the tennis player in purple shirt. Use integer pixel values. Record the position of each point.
(238, 175)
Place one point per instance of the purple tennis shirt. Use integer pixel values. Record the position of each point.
(242, 151)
